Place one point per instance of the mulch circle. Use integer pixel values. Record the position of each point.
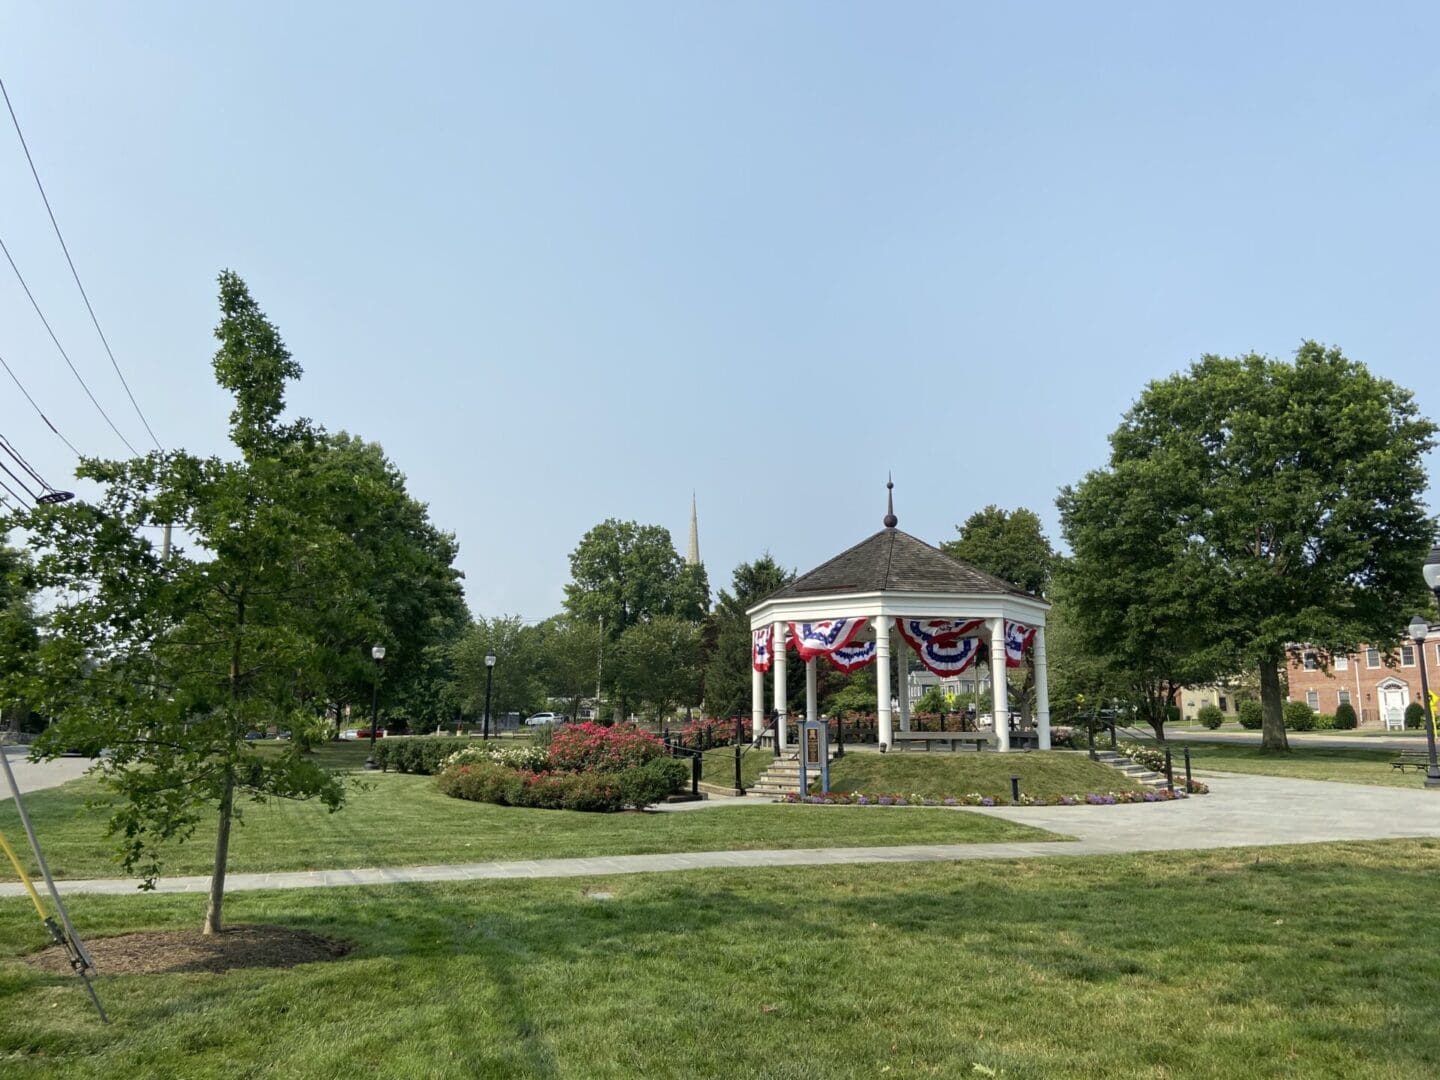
(190, 950)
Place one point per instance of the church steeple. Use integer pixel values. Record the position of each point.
(692, 556)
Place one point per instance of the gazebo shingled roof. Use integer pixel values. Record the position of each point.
(895, 561)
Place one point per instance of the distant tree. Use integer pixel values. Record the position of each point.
(518, 683)
(1010, 545)
(625, 573)
(573, 661)
(19, 633)
(1250, 503)
(657, 663)
(727, 633)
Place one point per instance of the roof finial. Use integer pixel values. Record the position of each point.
(890, 519)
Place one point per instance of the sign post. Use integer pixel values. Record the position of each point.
(814, 754)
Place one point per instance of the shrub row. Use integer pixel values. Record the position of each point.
(639, 787)
(587, 747)
(423, 754)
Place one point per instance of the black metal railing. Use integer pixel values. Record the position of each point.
(697, 758)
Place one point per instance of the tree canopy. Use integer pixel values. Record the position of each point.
(1248, 504)
(624, 573)
(1010, 545)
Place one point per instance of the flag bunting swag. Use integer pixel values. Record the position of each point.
(760, 655)
(941, 644)
(1017, 639)
(854, 657)
(813, 639)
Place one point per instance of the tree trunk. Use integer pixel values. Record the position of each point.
(1272, 730)
(222, 852)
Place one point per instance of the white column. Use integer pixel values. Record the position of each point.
(1042, 690)
(882, 689)
(812, 686)
(757, 702)
(782, 706)
(902, 682)
(1000, 694)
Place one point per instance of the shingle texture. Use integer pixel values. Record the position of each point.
(895, 561)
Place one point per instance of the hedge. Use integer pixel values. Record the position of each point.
(423, 754)
(639, 786)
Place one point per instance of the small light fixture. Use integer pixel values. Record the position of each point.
(1419, 630)
(489, 659)
(377, 652)
(1431, 570)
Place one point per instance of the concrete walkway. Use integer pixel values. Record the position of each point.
(1243, 811)
(35, 775)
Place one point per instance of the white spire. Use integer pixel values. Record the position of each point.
(692, 557)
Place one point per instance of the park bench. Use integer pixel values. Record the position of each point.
(981, 739)
(1411, 759)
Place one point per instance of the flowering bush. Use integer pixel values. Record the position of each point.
(527, 758)
(592, 747)
(707, 733)
(974, 798)
(487, 781)
(1148, 756)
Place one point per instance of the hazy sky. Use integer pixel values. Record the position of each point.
(569, 262)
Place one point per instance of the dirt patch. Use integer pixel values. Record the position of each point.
(190, 950)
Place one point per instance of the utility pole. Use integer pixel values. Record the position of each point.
(599, 668)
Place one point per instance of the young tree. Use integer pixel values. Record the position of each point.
(169, 664)
(657, 662)
(1250, 503)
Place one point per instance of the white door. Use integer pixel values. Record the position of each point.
(1392, 705)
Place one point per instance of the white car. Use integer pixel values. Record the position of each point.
(540, 719)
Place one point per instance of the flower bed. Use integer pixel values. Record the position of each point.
(974, 798)
(586, 767)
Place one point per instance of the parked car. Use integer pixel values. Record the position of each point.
(540, 719)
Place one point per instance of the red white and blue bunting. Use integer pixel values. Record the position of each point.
(760, 654)
(941, 644)
(854, 657)
(813, 639)
(1017, 639)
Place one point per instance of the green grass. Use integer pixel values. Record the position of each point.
(719, 765)
(1351, 766)
(1277, 962)
(1041, 772)
(397, 820)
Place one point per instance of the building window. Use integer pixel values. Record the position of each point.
(1312, 698)
(1407, 655)
(1224, 707)
(1344, 697)
(1342, 663)
(1310, 663)
(1372, 658)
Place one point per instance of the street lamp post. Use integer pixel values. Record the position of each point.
(1419, 631)
(489, 679)
(377, 653)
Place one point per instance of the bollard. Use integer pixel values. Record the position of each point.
(840, 728)
(1187, 770)
(1169, 770)
(1014, 788)
(1090, 736)
(738, 786)
(695, 775)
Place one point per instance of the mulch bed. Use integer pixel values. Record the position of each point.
(190, 950)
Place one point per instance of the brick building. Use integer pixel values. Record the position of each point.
(1378, 686)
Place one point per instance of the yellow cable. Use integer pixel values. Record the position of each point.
(15, 862)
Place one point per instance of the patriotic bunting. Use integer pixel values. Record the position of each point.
(941, 644)
(818, 638)
(1017, 637)
(854, 657)
(760, 656)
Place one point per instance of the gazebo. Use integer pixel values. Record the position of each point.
(891, 583)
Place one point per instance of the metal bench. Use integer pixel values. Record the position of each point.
(1411, 759)
(981, 739)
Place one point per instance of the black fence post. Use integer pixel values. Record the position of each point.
(1014, 788)
(1090, 735)
(695, 774)
(1169, 770)
(1112, 733)
(1187, 769)
(840, 725)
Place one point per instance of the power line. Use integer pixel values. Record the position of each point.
(75, 273)
(73, 370)
(38, 411)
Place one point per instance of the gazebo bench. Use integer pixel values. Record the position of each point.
(981, 739)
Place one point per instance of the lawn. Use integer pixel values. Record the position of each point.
(1248, 963)
(719, 765)
(398, 820)
(1041, 772)
(1306, 763)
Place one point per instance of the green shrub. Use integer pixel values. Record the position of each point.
(488, 781)
(1252, 717)
(1172, 714)
(422, 754)
(1414, 715)
(1345, 717)
(1210, 715)
(1298, 716)
(1324, 721)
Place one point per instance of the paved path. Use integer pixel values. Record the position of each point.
(1414, 740)
(1243, 811)
(34, 775)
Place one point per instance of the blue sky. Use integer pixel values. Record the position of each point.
(569, 262)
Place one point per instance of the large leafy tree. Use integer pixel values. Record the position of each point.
(1009, 544)
(19, 635)
(170, 663)
(657, 664)
(518, 682)
(1250, 503)
(623, 573)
